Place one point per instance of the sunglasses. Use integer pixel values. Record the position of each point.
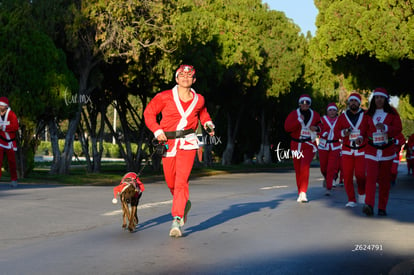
(186, 74)
(304, 102)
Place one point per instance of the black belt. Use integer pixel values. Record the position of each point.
(178, 134)
(301, 140)
(332, 141)
(381, 147)
(7, 140)
(355, 147)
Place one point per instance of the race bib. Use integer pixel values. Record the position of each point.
(354, 135)
(305, 133)
(379, 138)
(322, 142)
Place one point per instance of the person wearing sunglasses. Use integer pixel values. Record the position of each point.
(182, 109)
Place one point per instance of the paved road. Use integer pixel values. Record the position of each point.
(239, 224)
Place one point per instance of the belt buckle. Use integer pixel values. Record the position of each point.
(179, 133)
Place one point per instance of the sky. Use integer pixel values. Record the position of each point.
(302, 12)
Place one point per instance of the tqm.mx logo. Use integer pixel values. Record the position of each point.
(287, 154)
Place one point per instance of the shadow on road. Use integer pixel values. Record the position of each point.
(234, 211)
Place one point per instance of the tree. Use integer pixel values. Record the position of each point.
(96, 32)
(33, 73)
(406, 111)
(370, 41)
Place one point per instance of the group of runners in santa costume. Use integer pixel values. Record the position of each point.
(365, 143)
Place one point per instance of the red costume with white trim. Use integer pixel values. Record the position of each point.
(9, 125)
(178, 161)
(353, 161)
(303, 145)
(379, 161)
(329, 149)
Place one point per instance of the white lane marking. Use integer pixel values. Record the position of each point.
(274, 187)
(144, 206)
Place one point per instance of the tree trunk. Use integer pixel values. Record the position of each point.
(54, 140)
(264, 157)
(227, 157)
(62, 164)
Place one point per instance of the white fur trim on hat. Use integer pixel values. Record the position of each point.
(354, 97)
(380, 94)
(332, 107)
(305, 98)
(3, 103)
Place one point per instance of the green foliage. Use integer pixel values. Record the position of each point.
(33, 72)
(406, 111)
(369, 41)
(110, 150)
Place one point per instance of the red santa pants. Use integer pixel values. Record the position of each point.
(340, 172)
(177, 172)
(302, 166)
(329, 163)
(11, 157)
(378, 172)
(394, 168)
(353, 164)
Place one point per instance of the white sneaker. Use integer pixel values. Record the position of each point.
(299, 198)
(13, 184)
(328, 193)
(351, 204)
(302, 197)
(361, 199)
(175, 230)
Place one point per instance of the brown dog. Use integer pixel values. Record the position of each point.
(130, 191)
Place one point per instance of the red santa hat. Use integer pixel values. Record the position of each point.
(305, 97)
(185, 68)
(125, 184)
(381, 92)
(355, 96)
(4, 101)
(331, 106)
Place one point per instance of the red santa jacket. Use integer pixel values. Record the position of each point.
(175, 118)
(327, 138)
(295, 126)
(392, 130)
(348, 145)
(9, 126)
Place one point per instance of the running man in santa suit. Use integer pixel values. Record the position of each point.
(9, 125)
(329, 147)
(381, 127)
(353, 162)
(181, 109)
(303, 124)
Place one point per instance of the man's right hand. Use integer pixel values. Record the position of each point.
(162, 137)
